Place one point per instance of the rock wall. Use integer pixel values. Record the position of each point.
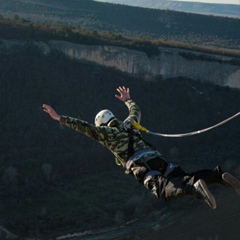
(170, 63)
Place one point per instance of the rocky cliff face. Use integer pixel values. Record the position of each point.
(170, 63)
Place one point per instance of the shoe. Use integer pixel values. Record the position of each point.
(201, 191)
(231, 181)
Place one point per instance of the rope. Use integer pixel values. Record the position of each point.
(139, 127)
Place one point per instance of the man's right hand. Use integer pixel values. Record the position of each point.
(48, 109)
(124, 93)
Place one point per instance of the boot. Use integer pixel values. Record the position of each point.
(231, 181)
(201, 191)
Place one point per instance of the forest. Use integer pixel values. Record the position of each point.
(193, 29)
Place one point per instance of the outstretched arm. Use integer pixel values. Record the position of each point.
(76, 124)
(48, 109)
(124, 94)
(134, 111)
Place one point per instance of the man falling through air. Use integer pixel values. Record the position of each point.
(163, 179)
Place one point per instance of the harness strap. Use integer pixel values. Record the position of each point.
(145, 154)
(169, 169)
(142, 156)
(145, 157)
(150, 176)
(153, 173)
(130, 145)
(127, 126)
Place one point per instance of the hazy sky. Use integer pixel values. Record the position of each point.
(206, 1)
(215, 1)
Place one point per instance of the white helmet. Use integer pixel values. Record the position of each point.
(103, 117)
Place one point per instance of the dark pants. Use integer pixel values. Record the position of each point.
(180, 183)
(210, 176)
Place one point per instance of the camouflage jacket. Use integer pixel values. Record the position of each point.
(113, 136)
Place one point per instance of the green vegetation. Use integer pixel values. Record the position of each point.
(18, 28)
(165, 25)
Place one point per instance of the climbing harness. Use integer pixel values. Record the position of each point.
(141, 128)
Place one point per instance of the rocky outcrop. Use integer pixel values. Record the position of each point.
(170, 63)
